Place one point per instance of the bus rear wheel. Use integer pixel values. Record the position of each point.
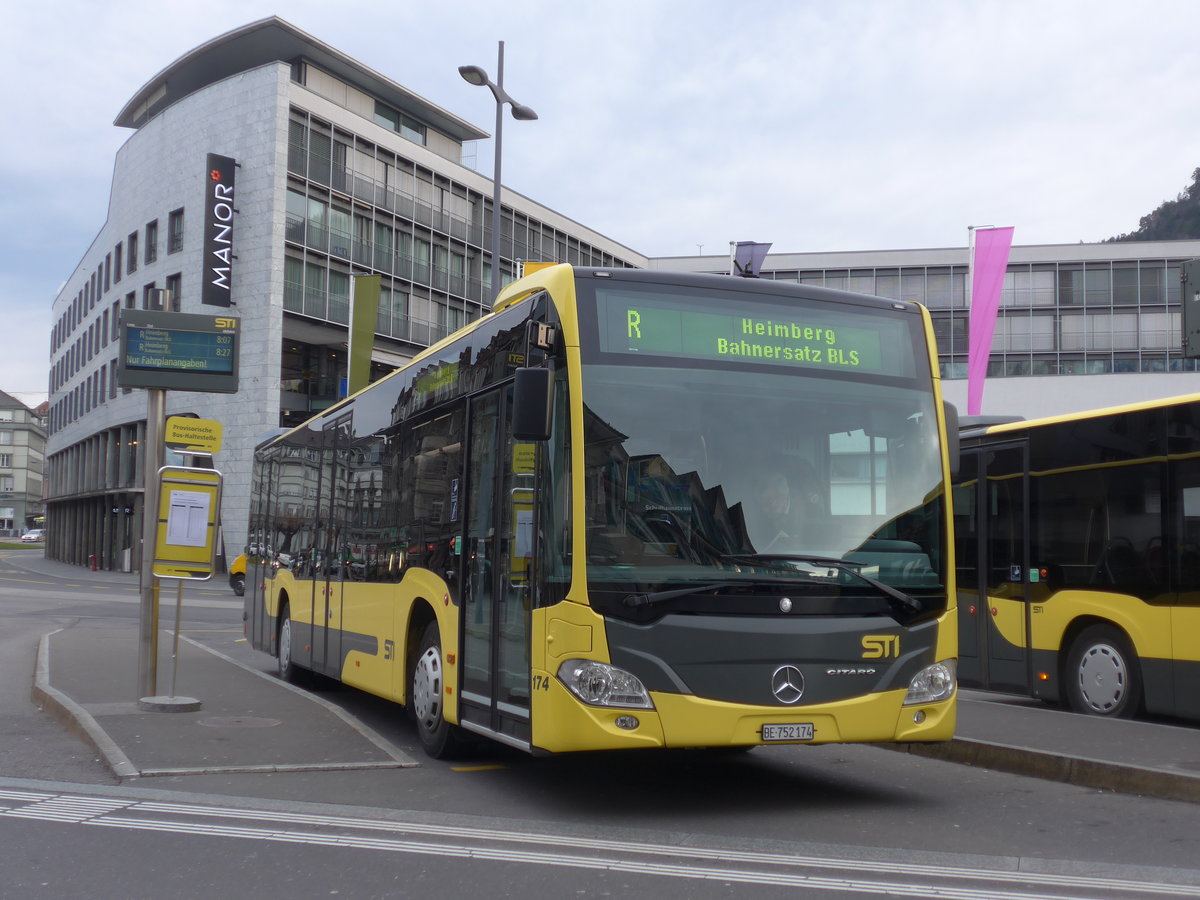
(1102, 675)
(439, 738)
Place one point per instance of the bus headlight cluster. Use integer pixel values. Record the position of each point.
(600, 684)
(932, 684)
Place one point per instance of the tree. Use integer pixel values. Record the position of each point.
(1174, 220)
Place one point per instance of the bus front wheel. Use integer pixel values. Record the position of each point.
(288, 670)
(440, 739)
(1102, 676)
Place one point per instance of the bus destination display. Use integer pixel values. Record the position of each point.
(758, 335)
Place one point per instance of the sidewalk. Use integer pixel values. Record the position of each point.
(248, 721)
(252, 721)
(1025, 737)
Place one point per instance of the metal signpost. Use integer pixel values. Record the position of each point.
(163, 351)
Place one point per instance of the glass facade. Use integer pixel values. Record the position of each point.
(355, 205)
(1056, 318)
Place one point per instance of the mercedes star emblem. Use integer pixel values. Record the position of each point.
(787, 684)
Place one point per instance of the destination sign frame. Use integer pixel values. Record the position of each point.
(178, 351)
(636, 323)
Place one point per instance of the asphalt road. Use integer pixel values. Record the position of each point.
(822, 820)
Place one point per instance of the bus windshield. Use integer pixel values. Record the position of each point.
(710, 482)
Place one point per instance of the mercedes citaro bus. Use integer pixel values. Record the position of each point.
(629, 509)
(1078, 555)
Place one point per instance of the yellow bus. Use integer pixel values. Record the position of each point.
(1078, 554)
(628, 509)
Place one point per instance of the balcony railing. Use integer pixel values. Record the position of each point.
(319, 167)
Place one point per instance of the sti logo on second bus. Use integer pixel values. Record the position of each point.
(880, 646)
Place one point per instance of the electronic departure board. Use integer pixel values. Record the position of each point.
(178, 351)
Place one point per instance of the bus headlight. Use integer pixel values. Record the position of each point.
(932, 684)
(600, 684)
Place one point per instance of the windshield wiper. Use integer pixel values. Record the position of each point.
(635, 600)
(910, 604)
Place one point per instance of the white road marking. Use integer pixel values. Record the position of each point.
(686, 862)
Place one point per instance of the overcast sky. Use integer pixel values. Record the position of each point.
(667, 125)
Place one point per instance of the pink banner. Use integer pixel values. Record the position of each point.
(989, 261)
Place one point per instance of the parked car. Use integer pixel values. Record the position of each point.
(237, 575)
(33, 536)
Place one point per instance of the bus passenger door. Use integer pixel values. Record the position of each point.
(971, 599)
(494, 694)
(1185, 524)
(995, 614)
(332, 493)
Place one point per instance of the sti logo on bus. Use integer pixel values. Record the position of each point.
(218, 230)
(880, 646)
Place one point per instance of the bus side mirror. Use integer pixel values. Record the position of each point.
(952, 442)
(533, 404)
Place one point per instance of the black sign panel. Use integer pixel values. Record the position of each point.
(178, 351)
(1189, 296)
(218, 230)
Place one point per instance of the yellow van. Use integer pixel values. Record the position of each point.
(237, 575)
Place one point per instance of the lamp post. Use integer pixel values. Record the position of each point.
(478, 77)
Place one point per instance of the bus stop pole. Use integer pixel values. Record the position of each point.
(152, 456)
(175, 645)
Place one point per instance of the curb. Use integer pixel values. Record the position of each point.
(1082, 772)
(76, 719)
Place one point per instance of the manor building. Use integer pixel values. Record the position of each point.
(340, 172)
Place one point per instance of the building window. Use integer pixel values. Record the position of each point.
(6, 484)
(405, 126)
(174, 291)
(118, 260)
(5, 460)
(175, 231)
(151, 241)
(131, 255)
(149, 301)
(6, 438)
(131, 300)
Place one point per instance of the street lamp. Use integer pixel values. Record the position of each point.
(478, 77)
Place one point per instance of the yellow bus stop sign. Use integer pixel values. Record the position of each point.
(187, 435)
(189, 507)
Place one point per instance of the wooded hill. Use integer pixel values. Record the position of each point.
(1177, 219)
